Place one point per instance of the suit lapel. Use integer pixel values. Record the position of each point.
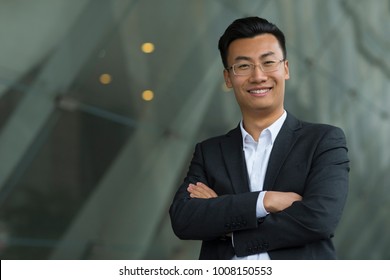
(234, 159)
(282, 146)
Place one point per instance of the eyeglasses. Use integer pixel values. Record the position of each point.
(245, 69)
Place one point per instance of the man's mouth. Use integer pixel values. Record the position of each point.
(260, 92)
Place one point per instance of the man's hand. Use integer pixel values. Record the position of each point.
(278, 201)
(200, 190)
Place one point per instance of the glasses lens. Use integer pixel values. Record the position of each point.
(269, 65)
(243, 68)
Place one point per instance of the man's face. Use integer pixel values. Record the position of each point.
(258, 93)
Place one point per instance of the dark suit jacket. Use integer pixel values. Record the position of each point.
(309, 159)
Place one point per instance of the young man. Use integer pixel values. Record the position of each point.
(274, 187)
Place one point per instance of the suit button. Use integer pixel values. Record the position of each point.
(260, 220)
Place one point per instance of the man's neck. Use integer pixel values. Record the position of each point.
(254, 124)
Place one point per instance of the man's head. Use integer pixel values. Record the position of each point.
(254, 55)
(247, 28)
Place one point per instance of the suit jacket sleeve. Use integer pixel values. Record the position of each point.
(207, 219)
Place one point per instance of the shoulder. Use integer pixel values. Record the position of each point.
(321, 128)
(232, 135)
(324, 132)
(231, 141)
(313, 129)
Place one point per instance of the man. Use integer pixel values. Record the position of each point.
(274, 187)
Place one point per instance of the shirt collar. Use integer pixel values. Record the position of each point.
(273, 129)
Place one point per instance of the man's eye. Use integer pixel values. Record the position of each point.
(244, 66)
(269, 62)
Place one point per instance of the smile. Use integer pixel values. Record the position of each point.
(261, 92)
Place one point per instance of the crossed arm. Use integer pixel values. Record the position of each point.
(294, 220)
(274, 201)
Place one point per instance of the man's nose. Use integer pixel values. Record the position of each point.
(258, 73)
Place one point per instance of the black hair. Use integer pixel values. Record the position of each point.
(247, 28)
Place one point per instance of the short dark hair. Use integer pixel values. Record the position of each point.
(247, 28)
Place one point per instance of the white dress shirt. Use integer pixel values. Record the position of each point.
(256, 157)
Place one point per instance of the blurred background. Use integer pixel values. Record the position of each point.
(102, 102)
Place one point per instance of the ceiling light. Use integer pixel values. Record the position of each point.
(147, 47)
(148, 95)
(105, 79)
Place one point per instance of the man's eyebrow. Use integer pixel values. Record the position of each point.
(241, 57)
(262, 56)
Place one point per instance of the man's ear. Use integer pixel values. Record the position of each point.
(226, 76)
(286, 70)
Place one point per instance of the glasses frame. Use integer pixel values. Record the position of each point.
(253, 66)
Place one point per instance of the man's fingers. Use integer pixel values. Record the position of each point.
(200, 190)
(210, 193)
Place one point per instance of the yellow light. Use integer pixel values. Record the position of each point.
(147, 47)
(148, 95)
(105, 79)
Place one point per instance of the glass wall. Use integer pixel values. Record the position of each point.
(102, 102)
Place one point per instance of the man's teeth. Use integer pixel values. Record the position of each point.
(259, 91)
